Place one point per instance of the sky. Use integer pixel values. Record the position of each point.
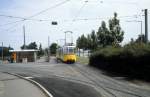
(78, 16)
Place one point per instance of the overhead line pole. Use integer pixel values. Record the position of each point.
(48, 49)
(146, 25)
(2, 51)
(24, 37)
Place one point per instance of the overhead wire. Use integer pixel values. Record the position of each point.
(40, 20)
(10, 16)
(29, 18)
(50, 8)
(78, 13)
(34, 15)
(79, 19)
(22, 19)
(10, 23)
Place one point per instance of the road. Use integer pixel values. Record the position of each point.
(77, 80)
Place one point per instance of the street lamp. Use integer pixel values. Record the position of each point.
(71, 36)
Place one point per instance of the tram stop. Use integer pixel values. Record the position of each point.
(23, 56)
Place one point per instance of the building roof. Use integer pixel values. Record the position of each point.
(25, 50)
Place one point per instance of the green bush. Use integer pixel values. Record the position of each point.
(131, 60)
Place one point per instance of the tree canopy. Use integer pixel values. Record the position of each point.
(41, 51)
(53, 48)
(105, 36)
(112, 35)
(32, 45)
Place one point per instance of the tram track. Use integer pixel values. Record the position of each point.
(104, 85)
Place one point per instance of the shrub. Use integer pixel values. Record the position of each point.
(131, 60)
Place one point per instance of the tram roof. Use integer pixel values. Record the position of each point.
(68, 46)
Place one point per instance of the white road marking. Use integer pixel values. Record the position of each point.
(28, 77)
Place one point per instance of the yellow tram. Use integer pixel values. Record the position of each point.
(66, 54)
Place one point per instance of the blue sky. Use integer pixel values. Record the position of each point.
(12, 34)
(5, 3)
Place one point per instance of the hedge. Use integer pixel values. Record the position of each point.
(131, 60)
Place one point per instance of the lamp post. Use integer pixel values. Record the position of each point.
(71, 36)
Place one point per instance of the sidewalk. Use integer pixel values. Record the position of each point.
(12, 86)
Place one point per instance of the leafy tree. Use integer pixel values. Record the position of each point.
(115, 30)
(5, 51)
(112, 35)
(78, 42)
(103, 35)
(89, 42)
(23, 47)
(82, 42)
(32, 45)
(93, 40)
(141, 38)
(53, 48)
(41, 52)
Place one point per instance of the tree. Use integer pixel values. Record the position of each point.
(41, 52)
(93, 40)
(104, 36)
(23, 47)
(78, 42)
(112, 35)
(89, 42)
(53, 48)
(141, 38)
(32, 45)
(82, 42)
(115, 30)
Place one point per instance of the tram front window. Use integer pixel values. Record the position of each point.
(70, 50)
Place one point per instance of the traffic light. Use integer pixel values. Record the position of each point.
(54, 22)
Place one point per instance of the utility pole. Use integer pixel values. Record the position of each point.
(146, 26)
(2, 51)
(24, 37)
(48, 50)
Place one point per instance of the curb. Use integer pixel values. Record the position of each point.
(48, 94)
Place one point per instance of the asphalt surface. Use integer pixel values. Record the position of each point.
(76, 80)
(13, 86)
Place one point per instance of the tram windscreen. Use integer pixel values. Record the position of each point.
(70, 50)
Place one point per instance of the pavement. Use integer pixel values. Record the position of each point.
(12, 86)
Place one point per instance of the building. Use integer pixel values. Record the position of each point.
(28, 55)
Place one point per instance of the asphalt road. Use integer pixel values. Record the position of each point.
(76, 80)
